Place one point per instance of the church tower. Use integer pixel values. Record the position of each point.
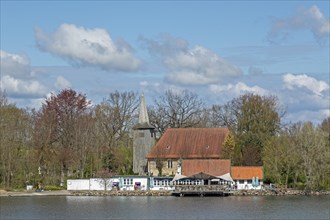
(143, 139)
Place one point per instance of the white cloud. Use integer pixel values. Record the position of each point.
(304, 97)
(198, 66)
(303, 81)
(15, 65)
(93, 47)
(151, 87)
(62, 83)
(231, 90)
(18, 78)
(189, 66)
(22, 88)
(307, 115)
(165, 45)
(311, 19)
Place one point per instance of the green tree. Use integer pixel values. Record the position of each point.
(228, 148)
(124, 160)
(253, 120)
(298, 157)
(325, 126)
(315, 155)
(16, 164)
(280, 160)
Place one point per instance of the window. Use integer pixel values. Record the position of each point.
(169, 164)
(128, 181)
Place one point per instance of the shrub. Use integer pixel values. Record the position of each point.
(54, 187)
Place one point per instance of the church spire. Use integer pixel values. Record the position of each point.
(143, 116)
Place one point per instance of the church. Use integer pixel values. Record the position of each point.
(182, 156)
(185, 152)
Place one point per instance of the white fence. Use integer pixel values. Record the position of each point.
(80, 184)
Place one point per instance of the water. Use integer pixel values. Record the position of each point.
(233, 207)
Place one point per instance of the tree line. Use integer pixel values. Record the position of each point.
(70, 137)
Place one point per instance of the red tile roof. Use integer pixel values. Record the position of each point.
(190, 143)
(211, 167)
(246, 173)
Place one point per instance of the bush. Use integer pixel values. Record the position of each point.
(54, 187)
(300, 186)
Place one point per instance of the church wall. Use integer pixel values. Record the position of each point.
(144, 140)
(166, 171)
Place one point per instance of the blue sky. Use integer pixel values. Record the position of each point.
(217, 49)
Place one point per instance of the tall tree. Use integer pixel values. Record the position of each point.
(57, 123)
(228, 147)
(299, 156)
(252, 119)
(115, 116)
(281, 159)
(325, 126)
(177, 110)
(216, 116)
(315, 155)
(15, 137)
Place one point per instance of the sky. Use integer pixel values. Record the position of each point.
(219, 50)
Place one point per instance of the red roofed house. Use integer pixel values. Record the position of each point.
(188, 151)
(247, 177)
(213, 167)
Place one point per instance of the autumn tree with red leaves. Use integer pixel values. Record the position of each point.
(58, 131)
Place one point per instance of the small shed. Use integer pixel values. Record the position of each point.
(247, 177)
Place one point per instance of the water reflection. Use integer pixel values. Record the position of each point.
(234, 207)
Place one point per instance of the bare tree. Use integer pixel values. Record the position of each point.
(176, 110)
(115, 116)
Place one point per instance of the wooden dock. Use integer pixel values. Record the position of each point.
(182, 191)
(200, 193)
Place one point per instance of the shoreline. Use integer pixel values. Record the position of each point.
(286, 192)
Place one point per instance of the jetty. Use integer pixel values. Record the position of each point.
(201, 190)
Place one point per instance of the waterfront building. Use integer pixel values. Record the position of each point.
(127, 182)
(180, 147)
(247, 177)
(182, 156)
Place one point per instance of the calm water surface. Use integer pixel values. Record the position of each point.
(234, 207)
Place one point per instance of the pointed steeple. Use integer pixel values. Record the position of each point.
(143, 116)
(144, 138)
